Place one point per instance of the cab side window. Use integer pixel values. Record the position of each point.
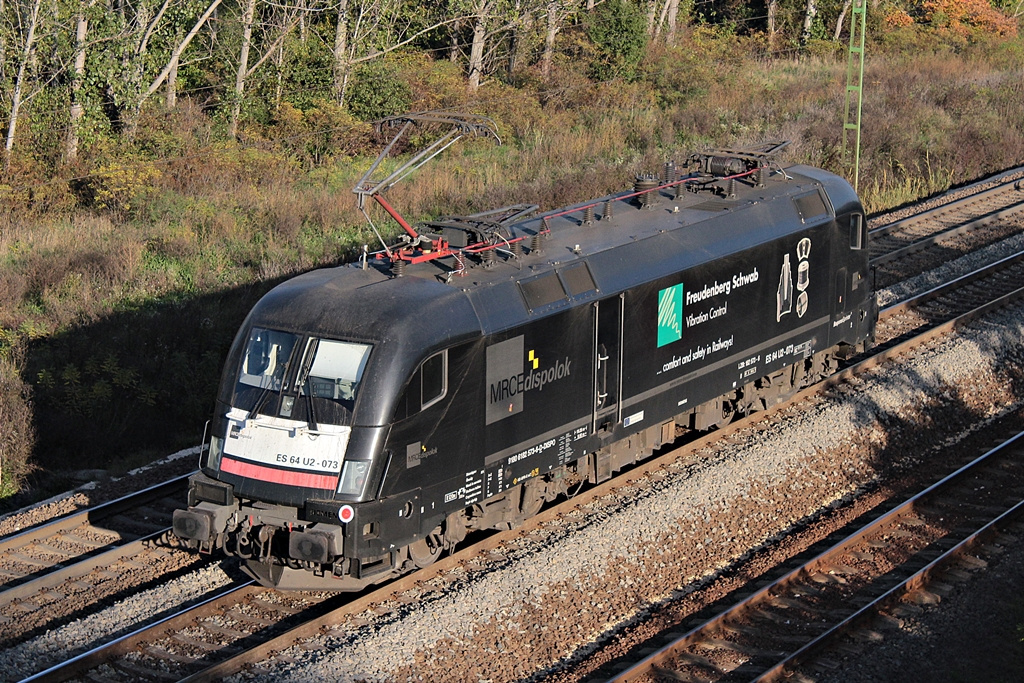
(429, 384)
(434, 374)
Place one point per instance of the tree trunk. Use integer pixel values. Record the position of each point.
(243, 65)
(455, 50)
(76, 112)
(176, 52)
(19, 81)
(553, 25)
(673, 19)
(773, 9)
(476, 52)
(661, 20)
(811, 13)
(172, 85)
(652, 16)
(3, 46)
(279, 90)
(341, 53)
(523, 26)
(841, 19)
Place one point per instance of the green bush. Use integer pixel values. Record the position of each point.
(377, 92)
(619, 30)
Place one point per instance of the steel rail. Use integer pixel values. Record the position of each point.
(65, 573)
(917, 581)
(935, 238)
(93, 514)
(961, 281)
(822, 561)
(120, 646)
(958, 205)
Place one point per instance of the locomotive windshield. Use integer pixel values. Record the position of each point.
(299, 378)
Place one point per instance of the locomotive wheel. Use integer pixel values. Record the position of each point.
(531, 500)
(425, 551)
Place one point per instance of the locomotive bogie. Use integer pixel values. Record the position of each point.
(369, 419)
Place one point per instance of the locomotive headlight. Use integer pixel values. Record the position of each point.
(353, 476)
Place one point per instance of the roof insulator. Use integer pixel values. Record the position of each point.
(588, 215)
(398, 267)
(608, 212)
(535, 243)
(644, 187)
(670, 173)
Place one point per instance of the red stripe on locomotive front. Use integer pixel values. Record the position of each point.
(286, 477)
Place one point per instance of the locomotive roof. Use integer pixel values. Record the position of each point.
(637, 244)
(409, 317)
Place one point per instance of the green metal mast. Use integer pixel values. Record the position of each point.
(854, 87)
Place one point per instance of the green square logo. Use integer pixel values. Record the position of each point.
(670, 315)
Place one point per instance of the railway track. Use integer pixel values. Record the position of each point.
(184, 646)
(84, 557)
(990, 286)
(904, 555)
(921, 242)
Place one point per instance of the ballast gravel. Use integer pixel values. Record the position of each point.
(555, 597)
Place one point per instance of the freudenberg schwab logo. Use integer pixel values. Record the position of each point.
(511, 373)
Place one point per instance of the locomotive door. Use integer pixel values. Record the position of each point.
(607, 363)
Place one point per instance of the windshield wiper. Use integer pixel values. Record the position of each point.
(300, 382)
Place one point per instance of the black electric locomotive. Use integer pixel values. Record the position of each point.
(370, 415)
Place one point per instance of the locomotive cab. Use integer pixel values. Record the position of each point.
(293, 478)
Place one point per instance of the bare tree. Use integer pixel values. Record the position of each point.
(810, 14)
(842, 18)
(481, 14)
(176, 52)
(341, 67)
(362, 28)
(76, 111)
(555, 17)
(667, 21)
(243, 65)
(17, 98)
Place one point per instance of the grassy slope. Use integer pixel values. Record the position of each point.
(117, 316)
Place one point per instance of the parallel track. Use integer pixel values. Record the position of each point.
(897, 240)
(43, 552)
(895, 557)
